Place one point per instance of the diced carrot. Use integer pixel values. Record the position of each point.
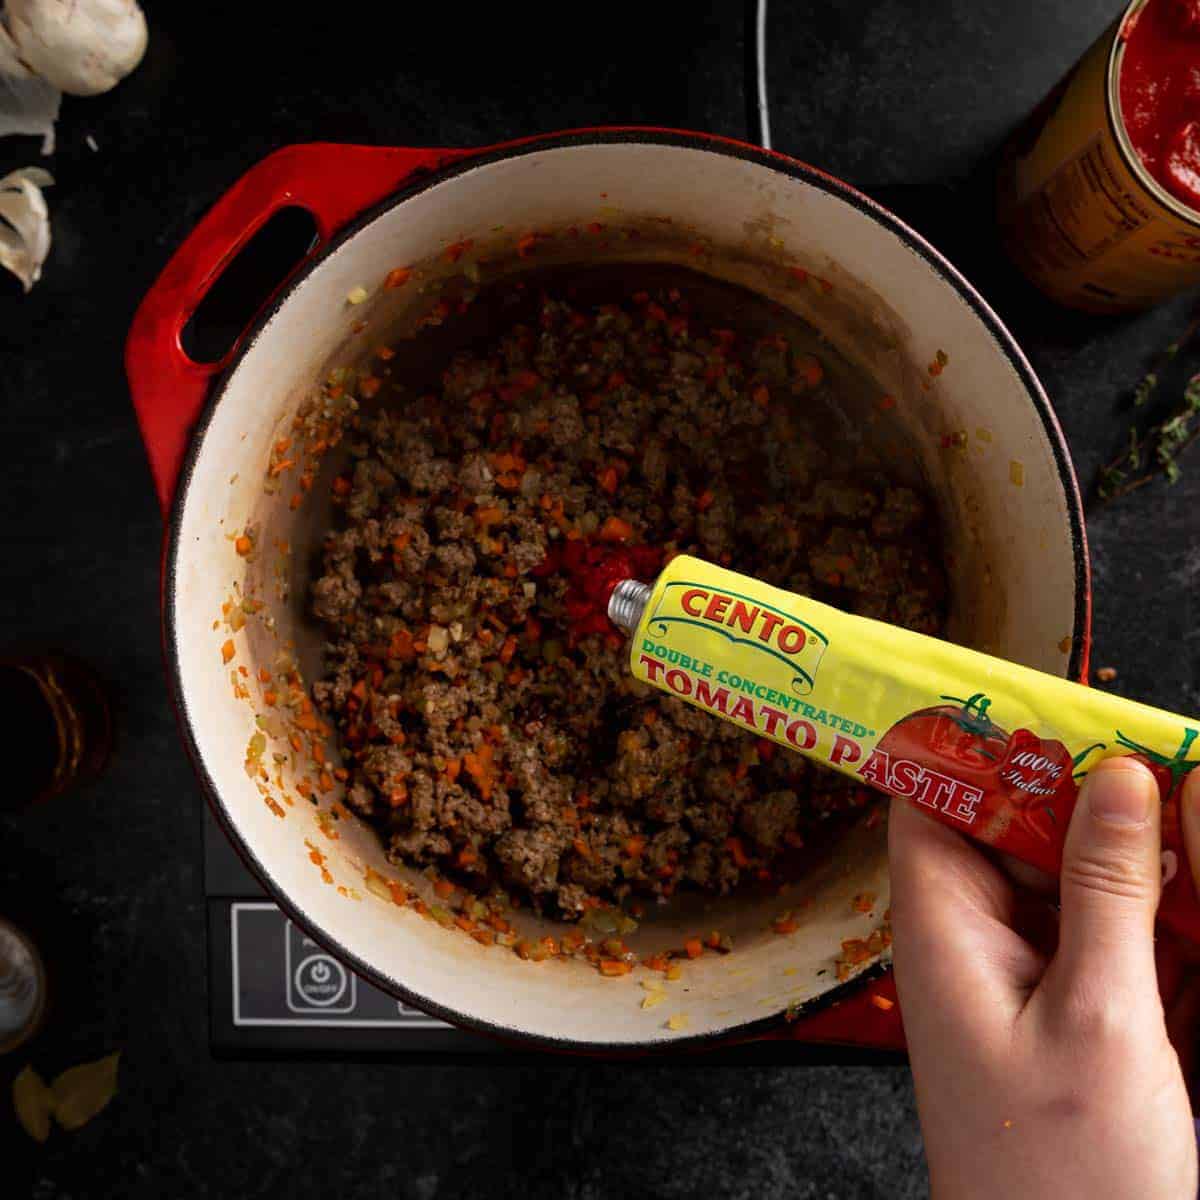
(243, 545)
(785, 925)
(466, 856)
(508, 649)
(400, 542)
(737, 851)
(386, 353)
(864, 902)
(810, 370)
(883, 1003)
(798, 273)
(615, 529)
(341, 486)
(608, 480)
(857, 950)
(582, 849)
(694, 947)
(456, 250)
(452, 769)
(397, 277)
(444, 888)
(614, 966)
(479, 766)
(228, 651)
(635, 846)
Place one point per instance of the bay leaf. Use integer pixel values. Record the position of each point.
(83, 1091)
(33, 1103)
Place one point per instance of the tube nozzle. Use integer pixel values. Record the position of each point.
(627, 603)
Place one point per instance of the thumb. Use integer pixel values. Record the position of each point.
(1110, 877)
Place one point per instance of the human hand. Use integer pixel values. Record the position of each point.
(1039, 1049)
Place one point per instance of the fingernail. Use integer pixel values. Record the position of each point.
(1122, 795)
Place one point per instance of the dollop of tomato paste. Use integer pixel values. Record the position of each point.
(1160, 93)
(593, 569)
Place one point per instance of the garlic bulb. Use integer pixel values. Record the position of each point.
(24, 223)
(82, 47)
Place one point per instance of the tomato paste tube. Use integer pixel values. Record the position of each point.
(995, 750)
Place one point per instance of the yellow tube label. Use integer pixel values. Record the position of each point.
(994, 749)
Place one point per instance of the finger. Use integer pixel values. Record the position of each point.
(1110, 880)
(952, 912)
(1189, 802)
(1024, 876)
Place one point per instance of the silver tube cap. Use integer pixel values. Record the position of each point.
(627, 603)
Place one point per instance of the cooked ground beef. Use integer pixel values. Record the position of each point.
(484, 738)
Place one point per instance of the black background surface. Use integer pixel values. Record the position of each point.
(905, 100)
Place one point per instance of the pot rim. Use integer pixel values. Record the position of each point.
(773, 160)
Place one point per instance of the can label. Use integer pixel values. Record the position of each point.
(1078, 213)
(993, 749)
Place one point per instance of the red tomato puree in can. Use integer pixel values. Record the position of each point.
(1160, 93)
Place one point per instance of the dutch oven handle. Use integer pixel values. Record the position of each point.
(334, 183)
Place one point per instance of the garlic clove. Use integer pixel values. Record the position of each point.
(24, 223)
(10, 59)
(28, 106)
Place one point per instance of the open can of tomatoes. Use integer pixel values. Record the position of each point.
(1099, 190)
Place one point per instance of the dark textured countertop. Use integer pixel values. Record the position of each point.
(903, 99)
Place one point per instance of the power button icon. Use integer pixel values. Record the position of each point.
(320, 981)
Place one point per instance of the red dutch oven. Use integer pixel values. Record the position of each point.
(983, 428)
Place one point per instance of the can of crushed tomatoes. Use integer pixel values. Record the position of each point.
(1098, 195)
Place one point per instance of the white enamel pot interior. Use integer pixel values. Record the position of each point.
(990, 447)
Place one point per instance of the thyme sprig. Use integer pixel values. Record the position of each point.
(1156, 450)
